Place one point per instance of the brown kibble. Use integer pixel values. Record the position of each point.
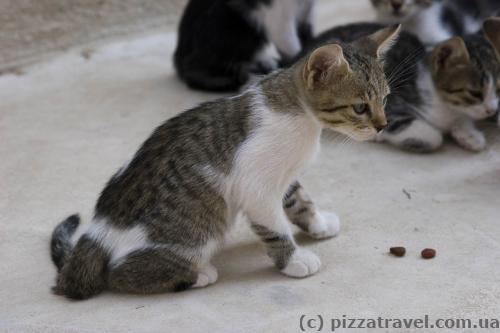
(428, 253)
(398, 251)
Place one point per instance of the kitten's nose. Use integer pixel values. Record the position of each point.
(380, 128)
(396, 5)
(491, 112)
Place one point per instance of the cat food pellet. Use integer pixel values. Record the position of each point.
(428, 253)
(398, 251)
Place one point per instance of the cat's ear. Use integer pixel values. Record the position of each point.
(491, 29)
(449, 53)
(325, 63)
(378, 43)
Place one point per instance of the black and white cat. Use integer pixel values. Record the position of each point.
(222, 42)
(436, 20)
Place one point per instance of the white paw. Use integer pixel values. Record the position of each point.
(476, 144)
(302, 263)
(207, 275)
(471, 141)
(324, 225)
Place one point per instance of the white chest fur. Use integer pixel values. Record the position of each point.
(275, 153)
(428, 25)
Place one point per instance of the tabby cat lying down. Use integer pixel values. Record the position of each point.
(442, 93)
(160, 219)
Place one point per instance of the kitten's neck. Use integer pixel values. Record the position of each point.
(283, 91)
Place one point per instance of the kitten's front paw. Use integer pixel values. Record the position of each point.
(207, 275)
(302, 263)
(474, 141)
(324, 225)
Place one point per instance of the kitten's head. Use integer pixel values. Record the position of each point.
(345, 85)
(466, 73)
(394, 11)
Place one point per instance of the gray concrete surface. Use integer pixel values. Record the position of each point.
(31, 30)
(68, 124)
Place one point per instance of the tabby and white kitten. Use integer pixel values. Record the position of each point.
(464, 76)
(161, 218)
(222, 42)
(437, 94)
(436, 20)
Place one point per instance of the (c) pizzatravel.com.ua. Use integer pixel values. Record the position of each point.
(321, 323)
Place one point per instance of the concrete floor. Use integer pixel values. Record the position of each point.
(67, 125)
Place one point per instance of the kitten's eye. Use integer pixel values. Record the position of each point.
(476, 94)
(361, 108)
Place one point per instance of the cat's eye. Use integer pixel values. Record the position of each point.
(476, 94)
(361, 108)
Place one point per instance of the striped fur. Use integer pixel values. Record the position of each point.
(430, 97)
(162, 217)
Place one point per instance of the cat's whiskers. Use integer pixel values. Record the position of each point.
(345, 143)
(416, 52)
(401, 84)
(401, 68)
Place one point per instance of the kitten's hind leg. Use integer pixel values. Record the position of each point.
(206, 275)
(152, 270)
(302, 212)
(413, 135)
(272, 226)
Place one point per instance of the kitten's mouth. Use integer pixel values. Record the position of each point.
(480, 114)
(360, 137)
(399, 13)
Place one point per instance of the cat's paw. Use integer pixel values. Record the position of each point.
(302, 263)
(473, 141)
(207, 275)
(324, 225)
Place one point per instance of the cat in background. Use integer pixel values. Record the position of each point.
(160, 219)
(222, 42)
(435, 94)
(459, 85)
(436, 20)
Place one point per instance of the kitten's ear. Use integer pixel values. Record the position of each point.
(325, 63)
(378, 43)
(449, 53)
(491, 29)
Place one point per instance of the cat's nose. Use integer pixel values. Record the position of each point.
(380, 128)
(491, 112)
(396, 5)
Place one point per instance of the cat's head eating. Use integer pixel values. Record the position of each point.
(396, 11)
(345, 85)
(466, 72)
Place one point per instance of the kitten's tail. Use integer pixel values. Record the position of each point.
(60, 244)
(81, 267)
